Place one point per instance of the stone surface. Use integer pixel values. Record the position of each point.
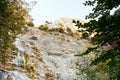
(47, 56)
(57, 52)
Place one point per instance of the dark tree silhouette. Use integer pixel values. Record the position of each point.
(107, 29)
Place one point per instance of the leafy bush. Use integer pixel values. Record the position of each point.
(107, 29)
(12, 22)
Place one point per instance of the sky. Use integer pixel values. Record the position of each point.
(49, 10)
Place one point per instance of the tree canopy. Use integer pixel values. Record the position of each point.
(107, 29)
(12, 21)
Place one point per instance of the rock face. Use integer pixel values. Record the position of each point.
(45, 55)
(12, 75)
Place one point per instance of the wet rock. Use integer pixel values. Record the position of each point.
(20, 75)
(5, 75)
(10, 77)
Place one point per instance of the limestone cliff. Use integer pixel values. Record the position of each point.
(48, 53)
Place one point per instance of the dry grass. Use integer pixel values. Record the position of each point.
(43, 27)
(30, 24)
(31, 43)
(35, 49)
(61, 30)
(49, 76)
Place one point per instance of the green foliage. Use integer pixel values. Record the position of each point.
(88, 51)
(12, 21)
(102, 7)
(89, 72)
(107, 29)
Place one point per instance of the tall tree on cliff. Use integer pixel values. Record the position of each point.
(13, 14)
(107, 29)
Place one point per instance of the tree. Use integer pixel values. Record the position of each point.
(107, 29)
(12, 22)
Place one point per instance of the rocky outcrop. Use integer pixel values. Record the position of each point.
(42, 55)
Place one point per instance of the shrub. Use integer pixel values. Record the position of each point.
(43, 27)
